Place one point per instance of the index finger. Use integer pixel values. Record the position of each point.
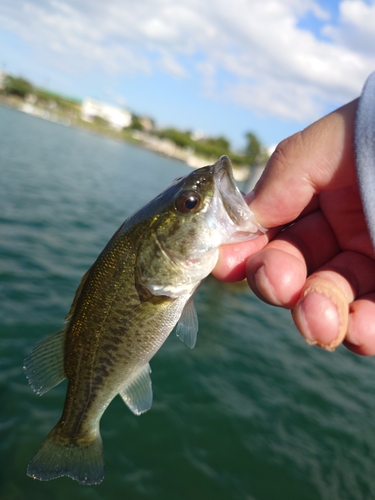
(320, 158)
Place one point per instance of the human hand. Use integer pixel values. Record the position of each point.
(317, 259)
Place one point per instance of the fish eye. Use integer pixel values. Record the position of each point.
(188, 202)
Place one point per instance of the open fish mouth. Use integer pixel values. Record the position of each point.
(244, 223)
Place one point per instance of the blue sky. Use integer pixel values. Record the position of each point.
(223, 68)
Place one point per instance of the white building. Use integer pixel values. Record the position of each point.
(116, 117)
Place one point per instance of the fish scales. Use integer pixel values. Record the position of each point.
(127, 304)
(123, 334)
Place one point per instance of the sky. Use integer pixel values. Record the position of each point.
(221, 67)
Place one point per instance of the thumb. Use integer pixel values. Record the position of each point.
(320, 158)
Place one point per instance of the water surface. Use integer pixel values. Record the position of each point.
(251, 413)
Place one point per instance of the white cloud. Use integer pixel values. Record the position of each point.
(249, 52)
(357, 28)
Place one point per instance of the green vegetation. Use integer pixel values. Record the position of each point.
(17, 86)
(136, 123)
(18, 90)
(100, 122)
(68, 110)
(214, 147)
(255, 153)
(206, 147)
(64, 103)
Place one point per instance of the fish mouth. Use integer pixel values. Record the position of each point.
(244, 223)
(222, 168)
(231, 196)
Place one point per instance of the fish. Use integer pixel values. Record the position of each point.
(141, 285)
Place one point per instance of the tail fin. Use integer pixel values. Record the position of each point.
(58, 457)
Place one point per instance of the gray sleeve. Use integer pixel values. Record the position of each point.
(364, 141)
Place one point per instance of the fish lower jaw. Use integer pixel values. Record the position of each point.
(173, 291)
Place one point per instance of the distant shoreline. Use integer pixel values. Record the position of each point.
(163, 147)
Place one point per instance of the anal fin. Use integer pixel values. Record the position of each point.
(137, 394)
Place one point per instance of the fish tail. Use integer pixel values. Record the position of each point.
(81, 460)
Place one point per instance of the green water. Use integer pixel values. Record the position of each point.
(251, 413)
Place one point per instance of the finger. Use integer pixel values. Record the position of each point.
(277, 274)
(322, 311)
(316, 159)
(343, 211)
(361, 328)
(231, 264)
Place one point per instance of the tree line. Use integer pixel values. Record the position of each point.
(254, 153)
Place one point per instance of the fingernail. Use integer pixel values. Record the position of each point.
(321, 314)
(318, 319)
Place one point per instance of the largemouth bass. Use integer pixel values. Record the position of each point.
(125, 307)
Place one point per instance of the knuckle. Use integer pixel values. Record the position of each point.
(286, 150)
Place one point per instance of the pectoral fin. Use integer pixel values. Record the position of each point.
(137, 394)
(44, 366)
(187, 327)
